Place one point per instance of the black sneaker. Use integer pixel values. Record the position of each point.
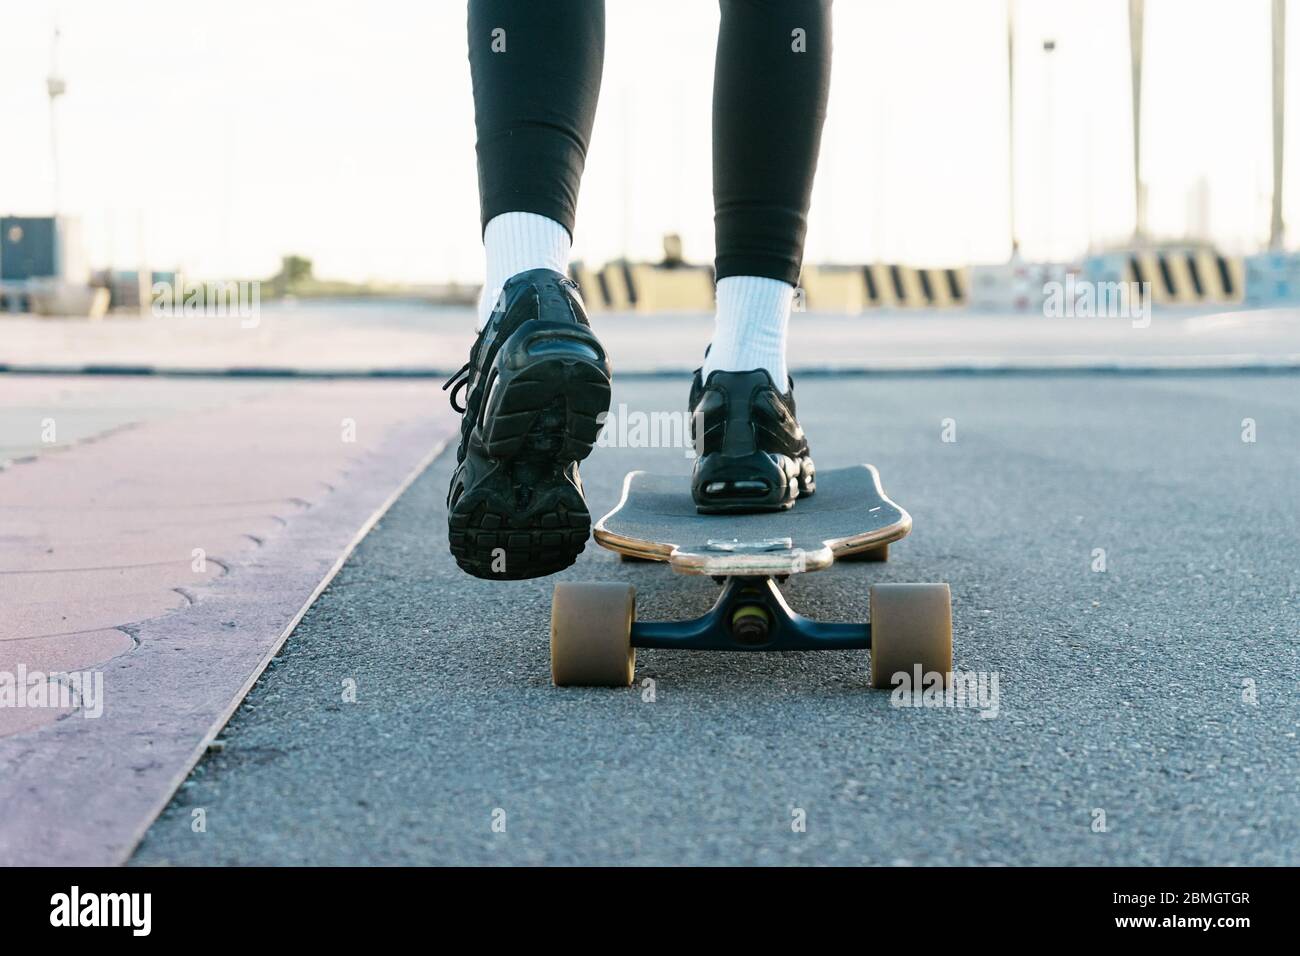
(536, 382)
(752, 454)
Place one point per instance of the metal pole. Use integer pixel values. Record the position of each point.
(1135, 17)
(627, 173)
(1049, 135)
(55, 87)
(1011, 126)
(1277, 228)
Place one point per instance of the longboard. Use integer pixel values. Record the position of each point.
(594, 626)
(849, 515)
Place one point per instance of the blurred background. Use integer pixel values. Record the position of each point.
(973, 151)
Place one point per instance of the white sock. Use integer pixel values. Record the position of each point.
(516, 242)
(750, 329)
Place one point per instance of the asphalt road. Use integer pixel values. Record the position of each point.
(1160, 692)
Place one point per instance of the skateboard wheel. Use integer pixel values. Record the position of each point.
(911, 625)
(879, 553)
(591, 634)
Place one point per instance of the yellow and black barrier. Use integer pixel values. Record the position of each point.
(1188, 276)
(833, 288)
(1175, 276)
(644, 287)
(906, 287)
(882, 285)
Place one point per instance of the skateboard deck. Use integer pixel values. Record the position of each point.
(656, 520)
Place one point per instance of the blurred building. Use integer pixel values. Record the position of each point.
(41, 247)
(43, 268)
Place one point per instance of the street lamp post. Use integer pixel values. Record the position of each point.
(1049, 129)
(1136, 15)
(55, 86)
(1011, 127)
(1277, 228)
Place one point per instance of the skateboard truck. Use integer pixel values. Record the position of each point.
(595, 634)
(751, 614)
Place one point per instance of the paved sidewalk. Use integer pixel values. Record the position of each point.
(391, 337)
(161, 539)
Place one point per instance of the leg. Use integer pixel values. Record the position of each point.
(537, 380)
(769, 101)
(536, 69)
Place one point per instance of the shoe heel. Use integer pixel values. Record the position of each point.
(550, 388)
(750, 483)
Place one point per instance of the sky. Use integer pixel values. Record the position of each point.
(217, 135)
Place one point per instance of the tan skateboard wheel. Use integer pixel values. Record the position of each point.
(879, 553)
(911, 625)
(591, 634)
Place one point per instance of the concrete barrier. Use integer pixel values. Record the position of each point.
(882, 285)
(676, 289)
(605, 289)
(1177, 276)
(644, 287)
(833, 288)
(907, 287)
(1272, 278)
(1015, 286)
(588, 285)
(58, 299)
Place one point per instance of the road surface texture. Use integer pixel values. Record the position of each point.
(1147, 712)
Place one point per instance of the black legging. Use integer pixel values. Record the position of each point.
(536, 66)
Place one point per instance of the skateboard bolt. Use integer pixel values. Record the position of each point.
(750, 624)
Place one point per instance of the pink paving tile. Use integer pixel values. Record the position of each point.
(41, 659)
(64, 653)
(19, 720)
(73, 613)
(99, 585)
(275, 481)
(68, 543)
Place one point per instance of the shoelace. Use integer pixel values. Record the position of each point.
(459, 380)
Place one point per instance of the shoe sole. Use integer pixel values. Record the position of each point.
(542, 414)
(490, 537)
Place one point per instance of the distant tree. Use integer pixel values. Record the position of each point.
(294, 269)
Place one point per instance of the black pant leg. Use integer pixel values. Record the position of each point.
(536, 67)
(769, 102)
